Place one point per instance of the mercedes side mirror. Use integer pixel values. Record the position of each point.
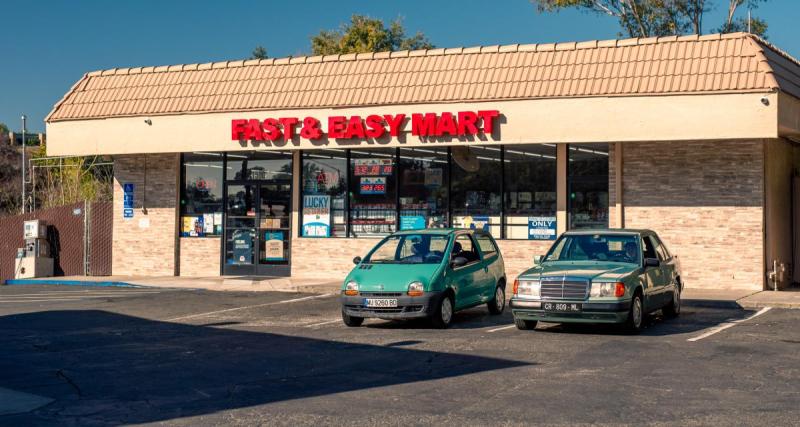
(537, 259)
(357, 260)
(651, 262)
(458, 261)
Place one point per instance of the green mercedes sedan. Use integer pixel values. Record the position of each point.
(599, 276)
(425, 274)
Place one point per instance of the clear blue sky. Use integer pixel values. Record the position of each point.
(47, 45)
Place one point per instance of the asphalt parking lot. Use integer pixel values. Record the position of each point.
(183, 357)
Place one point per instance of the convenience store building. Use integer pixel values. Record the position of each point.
(293, 166)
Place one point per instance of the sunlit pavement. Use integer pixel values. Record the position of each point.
(182, 357)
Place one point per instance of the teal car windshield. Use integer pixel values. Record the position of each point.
(596, 247)
(409, 249)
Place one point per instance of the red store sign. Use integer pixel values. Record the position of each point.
(462, 123)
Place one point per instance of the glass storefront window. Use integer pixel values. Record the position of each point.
(324, 186)
(587, 185)
(259, 165)
(530, 190)
(423, 188)
(201, 195)
(476, 174)
(373, 192)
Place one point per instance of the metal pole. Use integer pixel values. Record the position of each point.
(23, 161)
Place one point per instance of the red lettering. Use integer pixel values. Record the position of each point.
(288, 126)
(237, 129)
(336, 126)
(271, 130)
(375, 127)
(252, 131)
(467, 123)
(445, 125)
(423, 125)
(355, 128)
(310, 129)
(488, 116)
(395, 123)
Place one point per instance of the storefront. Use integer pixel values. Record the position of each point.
(294, 166)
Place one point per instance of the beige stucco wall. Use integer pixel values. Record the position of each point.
(705, 199)
(145, 244)
(570, 120)
(200, 256)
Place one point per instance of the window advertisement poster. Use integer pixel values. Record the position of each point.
(542, 228)
(242, 247)
(412, 222)
(373, 167)
(473, 222)
(372, 185)
(127, 200)
(273, 246)
(433, 177)
(316, 216)
(193, 226)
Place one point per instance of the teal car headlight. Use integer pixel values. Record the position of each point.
(607, 289)
(529, 288)
(351, 288)
(415, 289)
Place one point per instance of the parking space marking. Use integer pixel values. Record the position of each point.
(192, 316)
(502, 328)
(314, 325)
(727, 325)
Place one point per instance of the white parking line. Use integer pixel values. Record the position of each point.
(323, 323)
(727, 325)
(45, 298)
(192, 316)
(503, 328)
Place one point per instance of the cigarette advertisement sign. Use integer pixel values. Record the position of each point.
(316, 216)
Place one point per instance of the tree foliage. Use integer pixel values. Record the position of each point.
(649, 18)
(259, 53)
(364, 34)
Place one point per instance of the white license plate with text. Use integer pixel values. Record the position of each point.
(380, 302)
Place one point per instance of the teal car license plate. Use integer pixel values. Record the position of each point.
(380, 302)
(563, 307)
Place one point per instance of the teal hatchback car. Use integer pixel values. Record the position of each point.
(425, 274)
(599, 276)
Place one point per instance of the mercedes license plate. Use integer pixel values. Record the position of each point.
(380, 302)
(563, 307)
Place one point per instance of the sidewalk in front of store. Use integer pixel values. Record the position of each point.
(219, 283)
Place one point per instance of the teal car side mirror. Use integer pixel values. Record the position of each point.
(357, 260)
(537, 259)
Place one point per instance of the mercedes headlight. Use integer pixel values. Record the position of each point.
(607, 289)
(529, 288)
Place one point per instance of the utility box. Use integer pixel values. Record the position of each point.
(32, 267)
(34, 259)
(34, 229)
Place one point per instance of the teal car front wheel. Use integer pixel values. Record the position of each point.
(351, 321)
(443, 314)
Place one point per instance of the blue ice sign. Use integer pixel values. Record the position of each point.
(127, 200)
(542, 228)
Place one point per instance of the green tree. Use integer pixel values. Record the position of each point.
(649, 18)
(364, 34)
(3, 129)
(259, 53)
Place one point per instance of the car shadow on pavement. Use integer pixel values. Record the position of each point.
(655, 324)
(473, 318)
(109, 368)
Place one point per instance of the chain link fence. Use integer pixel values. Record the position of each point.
(80, 237)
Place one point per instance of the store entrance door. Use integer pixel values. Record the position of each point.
(258, 228)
